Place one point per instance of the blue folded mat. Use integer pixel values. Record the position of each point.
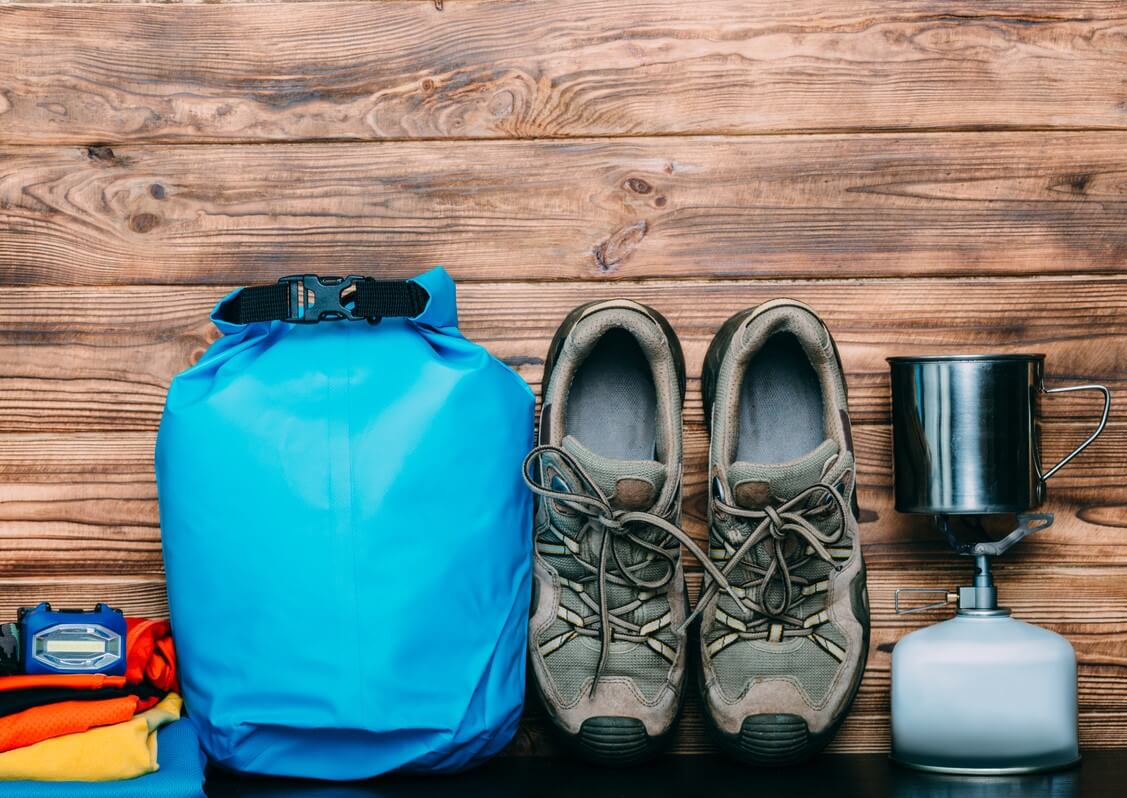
(181, 774)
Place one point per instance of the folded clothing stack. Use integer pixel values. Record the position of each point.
(97, 728)
(181, 774)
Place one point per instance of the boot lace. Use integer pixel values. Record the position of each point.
(615, 558)
(784, 532)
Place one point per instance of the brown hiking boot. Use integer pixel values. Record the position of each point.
(782, 664)
(606, 637)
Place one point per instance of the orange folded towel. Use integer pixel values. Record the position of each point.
(66, 717)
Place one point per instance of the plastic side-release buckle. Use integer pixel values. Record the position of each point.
(314, 298)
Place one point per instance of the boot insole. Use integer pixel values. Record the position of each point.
(612, 406)
(781, 412)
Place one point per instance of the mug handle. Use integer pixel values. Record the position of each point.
(1099, 428)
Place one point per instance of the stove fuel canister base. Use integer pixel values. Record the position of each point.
(983, 693)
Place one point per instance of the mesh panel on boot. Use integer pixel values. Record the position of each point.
(811, 667)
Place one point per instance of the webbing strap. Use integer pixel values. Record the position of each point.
(258, 303)
(380, 298)
(304, 299)
(9, 650)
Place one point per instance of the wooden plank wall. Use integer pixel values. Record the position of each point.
(931, 175)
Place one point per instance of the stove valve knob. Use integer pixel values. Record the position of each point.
(949, 597)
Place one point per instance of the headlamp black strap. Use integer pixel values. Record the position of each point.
(308, 298)
(9, 650)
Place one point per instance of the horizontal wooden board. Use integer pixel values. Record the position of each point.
(87, 359)
(86, 502)
(86, 371)
(796, 206)
(142, 596)
(507, 68)
(1093, 616)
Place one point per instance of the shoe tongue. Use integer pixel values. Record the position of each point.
(629, 484)
(753, 485)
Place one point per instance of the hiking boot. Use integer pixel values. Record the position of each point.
(606, 637)
(780, 666)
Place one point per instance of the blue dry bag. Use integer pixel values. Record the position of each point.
(346, 534)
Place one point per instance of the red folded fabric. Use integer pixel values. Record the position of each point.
(66, 717)
(75, 681)
(150, 654)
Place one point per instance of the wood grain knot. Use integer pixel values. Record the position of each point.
(617, 248)
(156, 191)
(143, 222)
(638, 185)
(1107, 515)
(502, 104)
(1077, 183)
(104, 155)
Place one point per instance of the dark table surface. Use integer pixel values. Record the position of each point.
(1102, 773)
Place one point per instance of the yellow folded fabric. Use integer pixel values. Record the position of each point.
(108, 753)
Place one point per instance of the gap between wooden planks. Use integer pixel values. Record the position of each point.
(509, 69)
(836, 206)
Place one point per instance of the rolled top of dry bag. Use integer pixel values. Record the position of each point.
(346, 534)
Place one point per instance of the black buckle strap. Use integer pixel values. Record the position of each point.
(308, 299)
(313, 299)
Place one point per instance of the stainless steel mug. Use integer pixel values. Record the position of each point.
(966, 433)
